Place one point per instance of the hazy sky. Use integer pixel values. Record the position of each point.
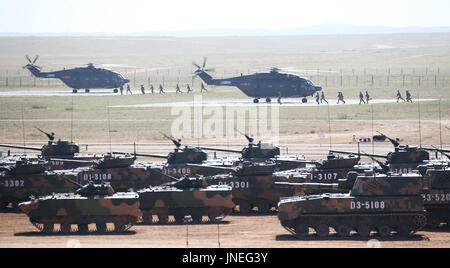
(122, 16)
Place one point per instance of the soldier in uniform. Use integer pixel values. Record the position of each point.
(142, 89)
(121, 90)
(188, 88)
(399, 96)
(361, 98)
(368, 98)
(178, 89)
(161, 89)
(203, 88)
(340, 98)
(318, 98)
(322, 98)
(152, 89)
(129, 90)
(408, 96)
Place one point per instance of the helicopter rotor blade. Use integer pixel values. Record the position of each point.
(28, 58)
(204, 62)
(196, 65)
(212, 70)
(35, 59)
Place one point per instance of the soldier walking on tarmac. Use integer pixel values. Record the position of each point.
(408, 97)
(368, 98)
(129, 90)
(142, 89)
(399, 96)
(361, 98)
(340, 98)
(121, 90)
(318, 98)
(203, 88)
(322, 98)
(152, 89)
(178, 89)
(189, 90)
(161, 89)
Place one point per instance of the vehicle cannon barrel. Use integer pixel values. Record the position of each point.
(20, 147)
(143, 155)
(220, 150)
(360, 154)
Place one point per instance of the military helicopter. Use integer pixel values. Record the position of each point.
(274, 84)
(82, 77)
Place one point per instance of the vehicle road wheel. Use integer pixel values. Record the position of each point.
(343, 230)
(263, 208)
(163, 218)
(384, 231)
(434, 222)
(214, 217)
(268, 100)
(323, 230)
(256, 101)
(101, 227)
(419, 222)
(245, 208)
(48, 228)
(301, 231)
(119, 227)
(83, 228)
(404, 231)
(179, 218)
(197, 218)
(364, 231)
(66, 228)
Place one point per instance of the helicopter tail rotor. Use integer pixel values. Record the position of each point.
(32, 63)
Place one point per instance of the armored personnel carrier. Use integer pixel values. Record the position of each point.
(328, 170)
(252, 184)
(59, 154)
(382, 203)
(24, 178)
(261, 152)
(402, 160)
(90, 204)
(437, 199)
(185, 197)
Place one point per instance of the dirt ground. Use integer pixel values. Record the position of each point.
(235, 232)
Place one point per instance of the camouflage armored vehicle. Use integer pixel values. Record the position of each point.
(261, 152)
(437, 199)
(328, 170)
(123, 177)
(185, 197)
(90, 204)
(253, 185)
(403, 160)
(384, 203)
(25, 178)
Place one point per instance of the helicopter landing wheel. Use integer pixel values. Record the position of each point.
(256, 101)
(87, 90)
(75, 91)
(116, 90)
(268, 100)
(305, 100)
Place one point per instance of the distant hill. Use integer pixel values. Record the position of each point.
(328, 29)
